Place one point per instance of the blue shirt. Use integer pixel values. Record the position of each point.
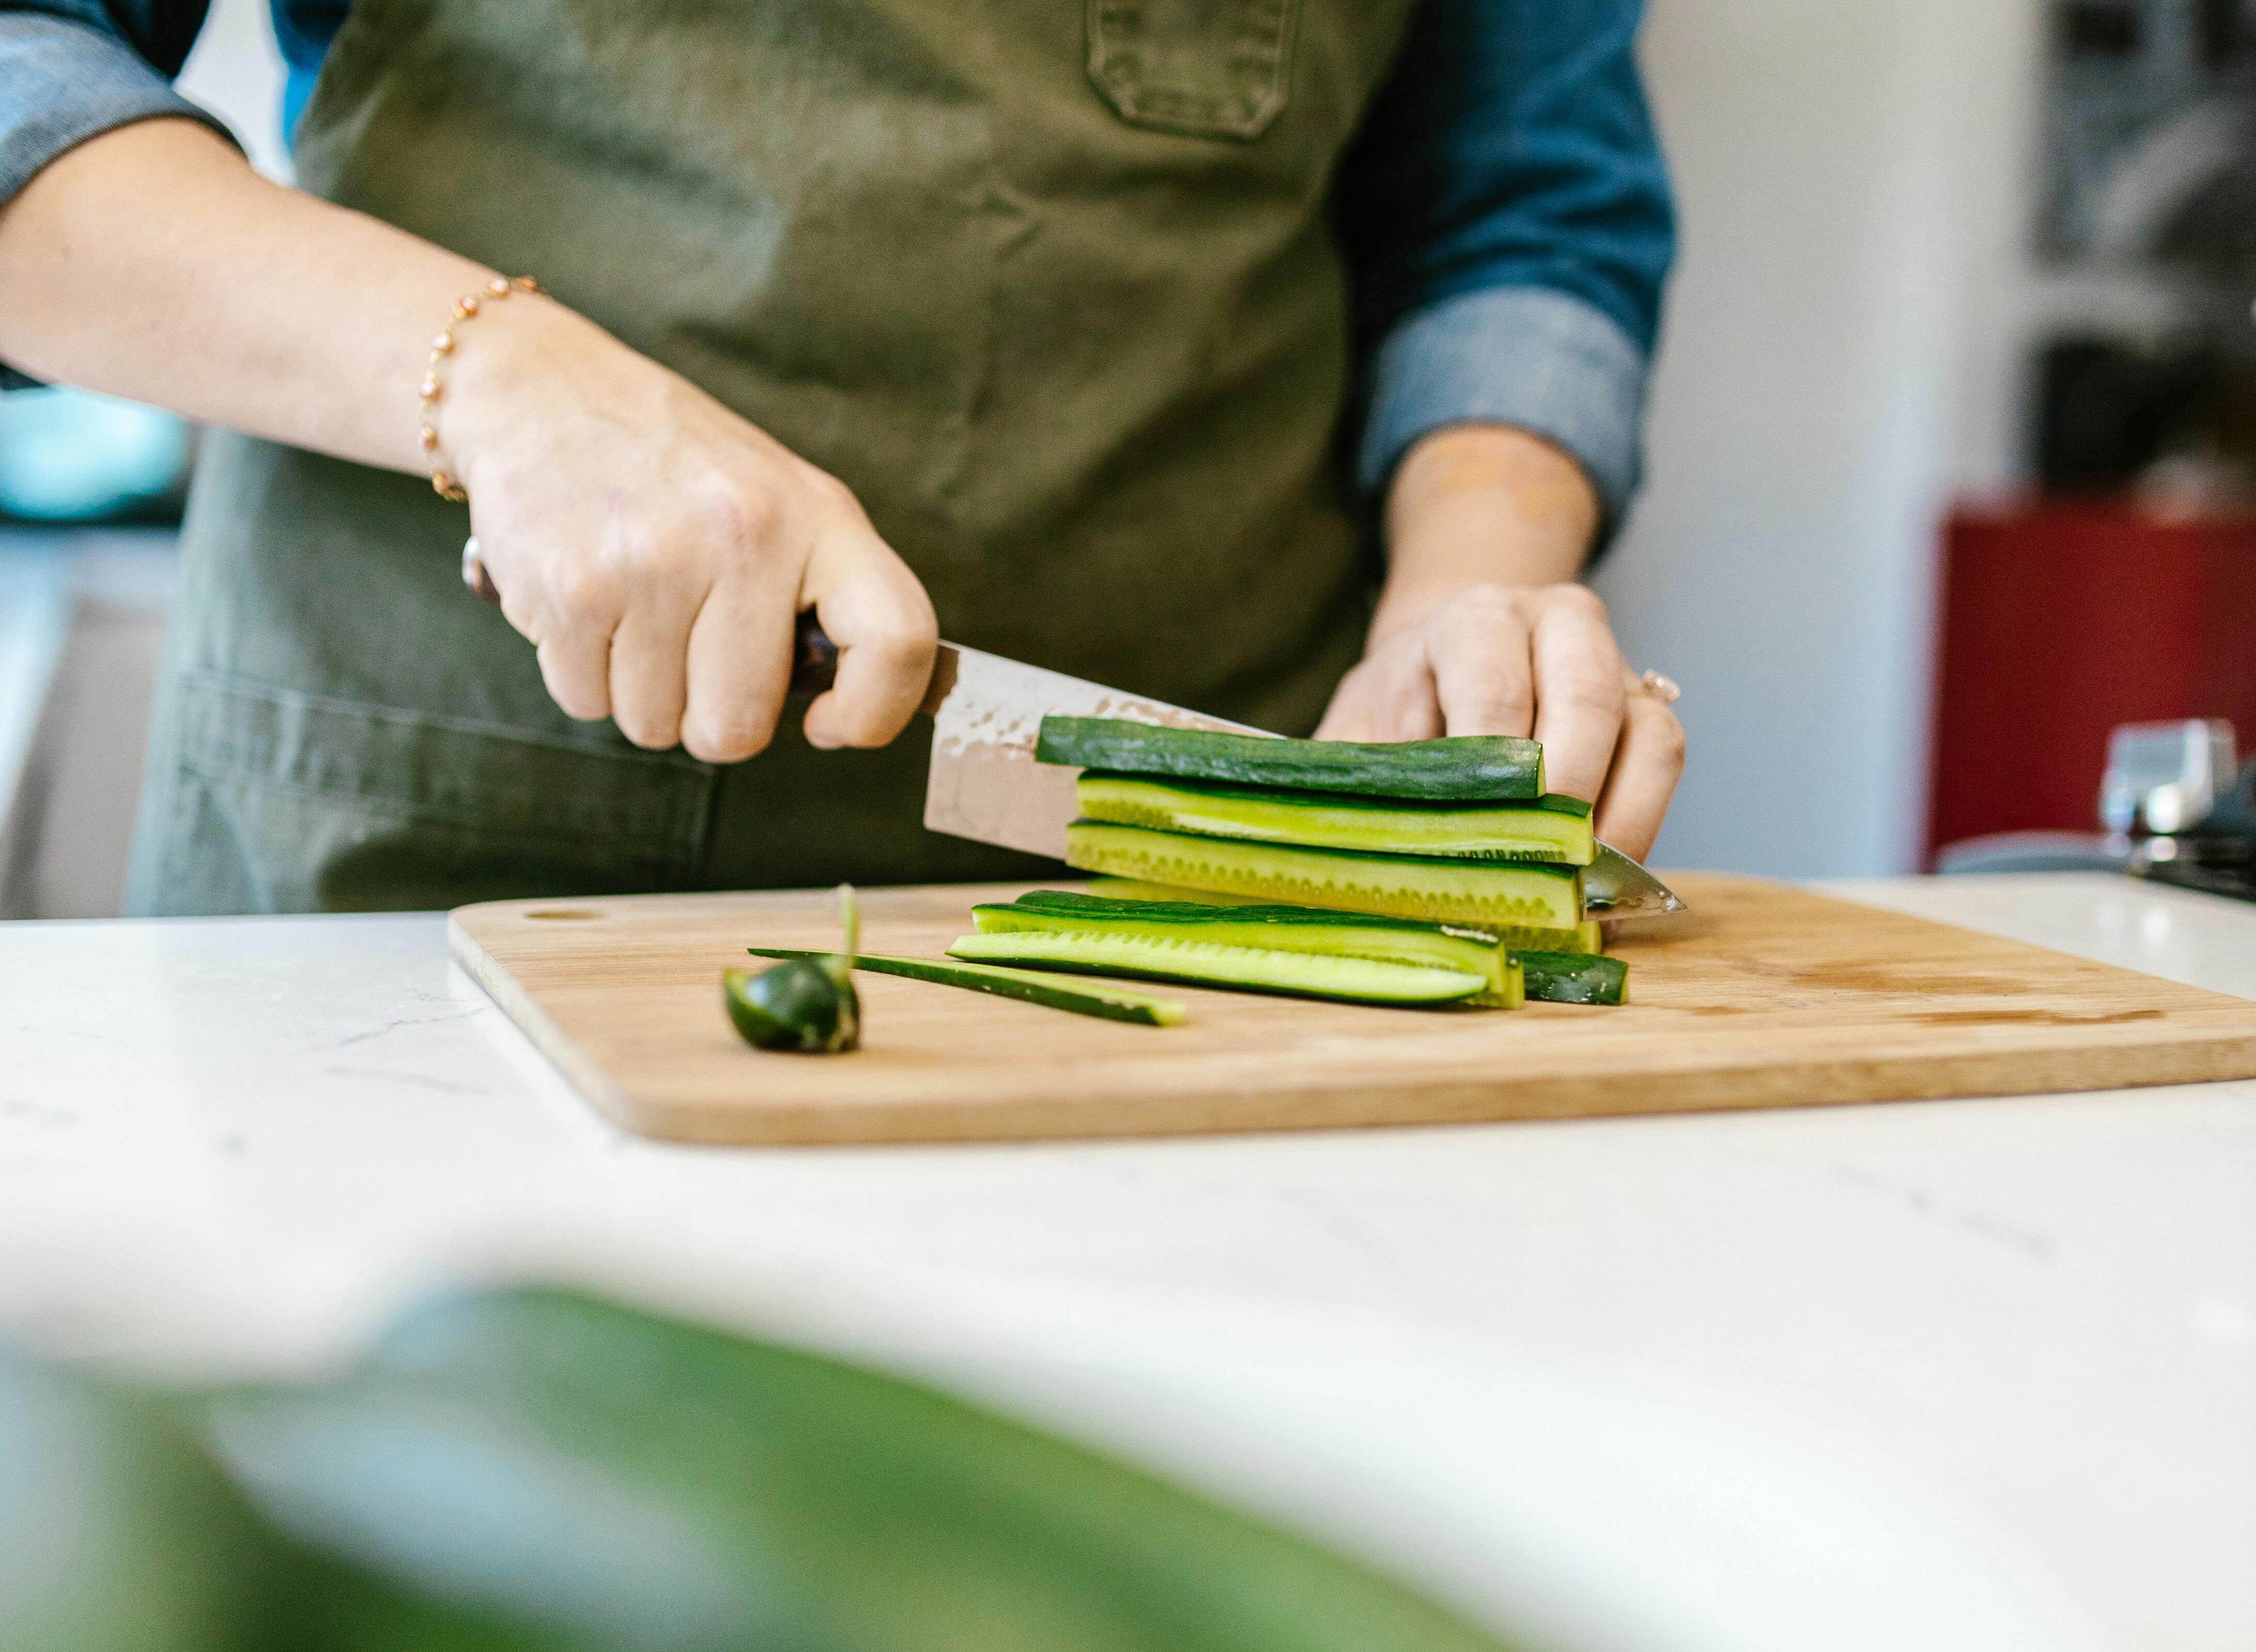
(1505, 213)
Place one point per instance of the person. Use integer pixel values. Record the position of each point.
(1278, 358)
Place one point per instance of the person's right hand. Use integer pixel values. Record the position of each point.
(656, 548)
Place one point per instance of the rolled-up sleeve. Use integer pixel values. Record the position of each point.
(74, 70)
(1508, 225)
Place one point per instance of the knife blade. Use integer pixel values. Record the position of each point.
(1614, 887)
(986, 715)
(983, 783)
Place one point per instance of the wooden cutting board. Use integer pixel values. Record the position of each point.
(1763, 996)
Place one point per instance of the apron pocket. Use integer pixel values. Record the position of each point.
(292, 802)
(1212, 68)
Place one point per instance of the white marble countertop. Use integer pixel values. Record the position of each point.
(1934, 1375)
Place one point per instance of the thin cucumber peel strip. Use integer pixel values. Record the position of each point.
(1585, 937)
(1332, 821)
(1028, 985)
(1200, 963)
(1467, 769)
(1288, 929)
(1486, 893)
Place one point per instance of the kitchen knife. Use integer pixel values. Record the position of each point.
(984, 783)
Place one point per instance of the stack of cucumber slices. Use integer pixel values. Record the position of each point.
(1434, 874)
(1431, 873)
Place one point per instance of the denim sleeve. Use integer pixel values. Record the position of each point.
(74, 69)
(1509, 228)
(70, 69)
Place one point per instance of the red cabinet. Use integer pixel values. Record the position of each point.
(2058, 620)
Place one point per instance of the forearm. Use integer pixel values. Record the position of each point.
(1481, 504)
(650, 544)
(152, 262)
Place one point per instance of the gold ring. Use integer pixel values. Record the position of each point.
(1656, 686)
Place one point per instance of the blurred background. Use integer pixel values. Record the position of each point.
(1952, 441)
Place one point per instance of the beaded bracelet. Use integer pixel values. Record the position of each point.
(443, 481)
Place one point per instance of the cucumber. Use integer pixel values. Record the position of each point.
(1469, 769)
(1053, 992)
(1575, 978)
(1284, 929)
(1337, 820)
(1298, 974)
(807, 1005)
(1479, 892)
(1585, 937)
(1131, 888)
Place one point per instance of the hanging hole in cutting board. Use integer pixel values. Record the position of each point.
(565, 914)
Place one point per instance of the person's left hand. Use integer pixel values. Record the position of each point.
(1481, 631)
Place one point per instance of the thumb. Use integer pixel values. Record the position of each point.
(875, 611)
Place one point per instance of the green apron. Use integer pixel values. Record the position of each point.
(1050, 286)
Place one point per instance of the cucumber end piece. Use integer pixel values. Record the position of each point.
(804, 1005)
(1575, 978)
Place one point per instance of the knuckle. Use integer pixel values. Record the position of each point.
(578, 691)
(1583, 688)
(745, 514)
(1505, 691)
(730, 740)
(1508, 700)
(833, 495)
(1360, 684)
(864, 723)
(1575, 598)
(1669, 739)
(905, 642)
(581, 704)
(1489, 697)
(583, 596)
(647, 729)
(864, 734)
(1660, 731)
(1484, 604)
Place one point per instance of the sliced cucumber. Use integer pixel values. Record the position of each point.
(1481, 892)
(1336, 820)
(1469, 769)
(1133, 889)
(1585, 937)
(1284, 929)
(1054, 992)
(1575, 978)
(1300, 974)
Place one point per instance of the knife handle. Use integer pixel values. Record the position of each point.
(814, 656)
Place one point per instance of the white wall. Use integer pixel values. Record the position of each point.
(1843, 353)
(236, 72)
